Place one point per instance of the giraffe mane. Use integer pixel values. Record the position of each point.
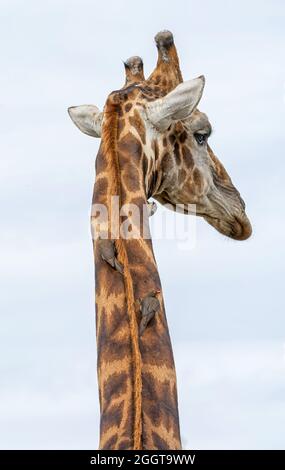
(109, 139)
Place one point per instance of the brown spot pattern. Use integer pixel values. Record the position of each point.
(137, 122)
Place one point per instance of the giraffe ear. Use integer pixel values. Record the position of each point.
(176, 105)
(87, 118)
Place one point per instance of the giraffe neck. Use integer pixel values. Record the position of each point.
(137, 382)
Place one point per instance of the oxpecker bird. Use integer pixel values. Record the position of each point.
(149, 306)
(108, 253)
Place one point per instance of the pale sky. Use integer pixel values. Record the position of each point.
(224, 299)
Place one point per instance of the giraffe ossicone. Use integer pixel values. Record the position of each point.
(134, 70)
(154, 143)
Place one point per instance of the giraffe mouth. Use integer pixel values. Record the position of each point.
(241, 228)
(237, 228)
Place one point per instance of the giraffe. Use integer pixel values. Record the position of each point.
(154, 143)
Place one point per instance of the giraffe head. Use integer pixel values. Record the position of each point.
(160, 126)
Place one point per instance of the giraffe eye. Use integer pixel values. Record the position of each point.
(201, 139)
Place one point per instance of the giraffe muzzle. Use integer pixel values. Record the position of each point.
(241, 228)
